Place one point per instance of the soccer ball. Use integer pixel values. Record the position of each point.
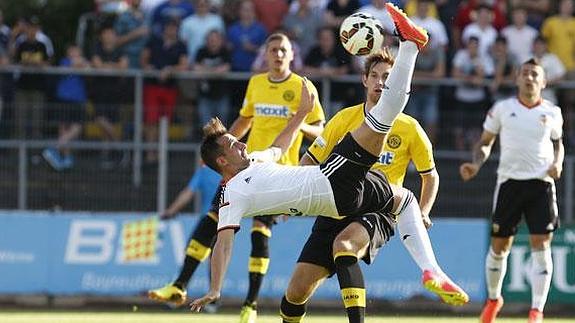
(361, 34)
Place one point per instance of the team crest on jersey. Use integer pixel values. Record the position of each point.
(289, 95)
(394, 141)
(543, 119)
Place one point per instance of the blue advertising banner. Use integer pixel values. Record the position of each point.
(82, 253)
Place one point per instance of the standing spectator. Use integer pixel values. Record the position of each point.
(302, 25)
(377, 9)
(337, 10)
(468, 12)
(471, 68)
(504, 69)
(195, 28)
(108, 91)
(271, 13)
(30, 93)
(537, 10)
(4, 34)
(531, 160)
(519, 35)
(245, 37)
(214, 58)
(19, 34)
(482, 29)
(435, 29)
(170, 10)
(70, 111)
(132, 33)
(167, 55)
(423, 102)
(329, 59)
(554, 69)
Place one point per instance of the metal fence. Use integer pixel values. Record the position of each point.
(27, 182)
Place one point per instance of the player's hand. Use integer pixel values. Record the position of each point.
(555, 171)
(199, 303)
(426, 221)
(468, 171)
(307, 98)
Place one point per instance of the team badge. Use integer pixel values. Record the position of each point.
(543, 119)
(289, 95)
(394, 141)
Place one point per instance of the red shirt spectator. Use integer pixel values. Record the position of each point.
(271, 13)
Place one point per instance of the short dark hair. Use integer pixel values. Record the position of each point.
(210, 148)
(276, 36)
(532, 61)
(382, 56)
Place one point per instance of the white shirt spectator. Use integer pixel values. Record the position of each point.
(435, 28)
(41, 37)
(519, 41)
(381, 15)
(525, 135)
(554, 70)
(486, 36)
(319, 5)
(463, 61)
(194, 30)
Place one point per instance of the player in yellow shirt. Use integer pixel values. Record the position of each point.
(270, 101)
(335, 246)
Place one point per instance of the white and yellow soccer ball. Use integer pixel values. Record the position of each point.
(361, 34)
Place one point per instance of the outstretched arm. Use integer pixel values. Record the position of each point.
(219, 264)
(481, 152)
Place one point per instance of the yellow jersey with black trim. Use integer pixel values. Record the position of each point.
(271, 105)
(405, 142)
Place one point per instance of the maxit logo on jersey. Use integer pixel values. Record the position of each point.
(271, 110)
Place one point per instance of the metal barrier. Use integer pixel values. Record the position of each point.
(20, 158)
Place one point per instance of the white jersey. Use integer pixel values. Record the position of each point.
(272, 189)
(525, 135)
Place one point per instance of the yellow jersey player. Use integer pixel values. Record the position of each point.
(271, 99)
(334, 246)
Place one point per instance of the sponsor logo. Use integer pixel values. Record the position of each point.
(512, 114)
(248, 179)
(394, 141)
(350, 297)
(272, 111)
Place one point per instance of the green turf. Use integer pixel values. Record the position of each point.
(139, 317)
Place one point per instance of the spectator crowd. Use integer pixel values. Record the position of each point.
(478, 43)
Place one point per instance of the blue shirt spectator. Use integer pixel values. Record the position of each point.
(71, 88)
(132, 33)
(206, 181)
(170, 10)
(245, 37)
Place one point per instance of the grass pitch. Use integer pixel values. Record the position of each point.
(143, 317)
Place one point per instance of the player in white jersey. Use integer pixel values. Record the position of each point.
(532, 152)
(341, 186)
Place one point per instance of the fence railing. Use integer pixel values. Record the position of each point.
(25, 183)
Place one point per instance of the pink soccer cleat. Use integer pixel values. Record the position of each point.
(535, 316)
(405, 28)
(490, 310)
(447, 290)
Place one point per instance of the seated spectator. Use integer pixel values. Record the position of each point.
(170, 10)
(107, 93)
(20, 30)
(195, 28)
(471, 68)
(245, 37)
(132, 33)
(302, 25)
(69, 111)
(519, 35)
(30, 93)
(505, 65)
(554, 69)
(167, 55)
(213, 58)
(423, 101)
(482, 29)
(329, 59)
(271, 13)
(337, 10)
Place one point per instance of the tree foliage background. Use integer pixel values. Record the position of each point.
(59, 18)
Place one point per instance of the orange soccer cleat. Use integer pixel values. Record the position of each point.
(405, 28)
(535, 316)
(447, 290)
(490, 310)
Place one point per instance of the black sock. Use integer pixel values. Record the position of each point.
(290, 312)
(352, 286)
(259, 262)
(199, 248)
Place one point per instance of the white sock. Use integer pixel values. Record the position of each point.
(395, 93)
(541, 272)
(495, 269)
(413, 234)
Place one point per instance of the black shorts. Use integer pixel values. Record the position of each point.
(67, 112)
(356, 189)
(536, 199)
(318, 249)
